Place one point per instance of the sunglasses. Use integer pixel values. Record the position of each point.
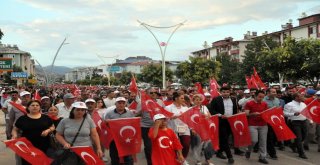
(153, 93)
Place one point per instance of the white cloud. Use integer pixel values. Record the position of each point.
(110, 27)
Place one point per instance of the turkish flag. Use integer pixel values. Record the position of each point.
(212, 125)
(214, 88)
(75, 90)
(19, 107)
(274, 117)
(312, 111)
(196, 121)
(126, 133)
(133, 86)
(240, 129)
(27, 151)
(37, 96)
(87, 155)
(167, 102)
(258, 79)
(102, 129)
(151, 106)
(133, 105)
(251, 82)
(200, 91)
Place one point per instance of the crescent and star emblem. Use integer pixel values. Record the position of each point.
(128, 140)
(235, 126)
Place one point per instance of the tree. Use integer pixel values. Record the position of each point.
(254, 57)
(197, 70)
(1, 34)
(7, 76)
(230, 71)
(125, 78)
(153, 74)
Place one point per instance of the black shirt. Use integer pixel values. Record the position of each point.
(32, 129)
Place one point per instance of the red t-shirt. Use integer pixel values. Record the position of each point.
(253, 106)
(164, 147)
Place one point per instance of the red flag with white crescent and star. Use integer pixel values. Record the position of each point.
(312, 111)
(126, 133)
(37, 96)
(212, 125)
(133, 86)
(274, 117)
(19, 107)
(195, 120)
(151, 106)
(240, 129)
(258, 79)
(87, 155)
(27, 151)
(133, 106)
(102, 129)
(201, 92)
(214, 88)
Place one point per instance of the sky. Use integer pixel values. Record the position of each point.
(109, 28)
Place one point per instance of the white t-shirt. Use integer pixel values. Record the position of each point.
(64, 112)
(101, 112)
(175, 124)
(7, 105)
(109, 102)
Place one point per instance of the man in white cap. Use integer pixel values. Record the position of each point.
(91, 104)
(110, 100)
(66, 106)
(245, 99)
(45, 104)
(119, 112)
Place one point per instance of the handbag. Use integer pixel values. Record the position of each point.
(66, 156)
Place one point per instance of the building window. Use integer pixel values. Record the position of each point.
(310, 30)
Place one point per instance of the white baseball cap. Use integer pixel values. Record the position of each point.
(24, 93)
(317, 93)
(90, 100)
(121, 99)
(207, 94)
(79, 104)
(45, 97)
(247, 91)
(159, 116)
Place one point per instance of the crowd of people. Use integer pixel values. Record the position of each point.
(60, 112)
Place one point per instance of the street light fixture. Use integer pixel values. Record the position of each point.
(54, 59)
(162, 44)
(112, 57)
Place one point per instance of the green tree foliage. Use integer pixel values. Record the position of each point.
(254, 57)
(7, 76)
(197, 70)
(1, 34)
(230, 71)
(125, 78)
(153, 74)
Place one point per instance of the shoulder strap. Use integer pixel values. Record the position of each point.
(74, 139)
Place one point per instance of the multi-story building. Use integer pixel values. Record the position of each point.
(309, 27)
(228, 46)
(19, 58)
(79, 73)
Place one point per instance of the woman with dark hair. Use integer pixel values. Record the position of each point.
(101, 107)
(35, 127)
(182, 130)
(68, 128)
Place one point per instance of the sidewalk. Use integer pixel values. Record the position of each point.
(6, 155)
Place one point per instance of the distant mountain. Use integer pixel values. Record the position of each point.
(59, 70)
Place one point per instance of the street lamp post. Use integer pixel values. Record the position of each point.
(54, 59)
(45, 73)
(112, 57)
(163, 52)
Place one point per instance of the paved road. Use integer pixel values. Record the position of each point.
(285, 157)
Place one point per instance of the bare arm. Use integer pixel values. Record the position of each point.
(95, 138)
(62, 141)
(14, 132)
(156, 128)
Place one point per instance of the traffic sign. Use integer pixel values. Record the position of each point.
(5, 64)
(19, 75)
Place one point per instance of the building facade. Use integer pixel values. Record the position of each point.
(19, 58)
